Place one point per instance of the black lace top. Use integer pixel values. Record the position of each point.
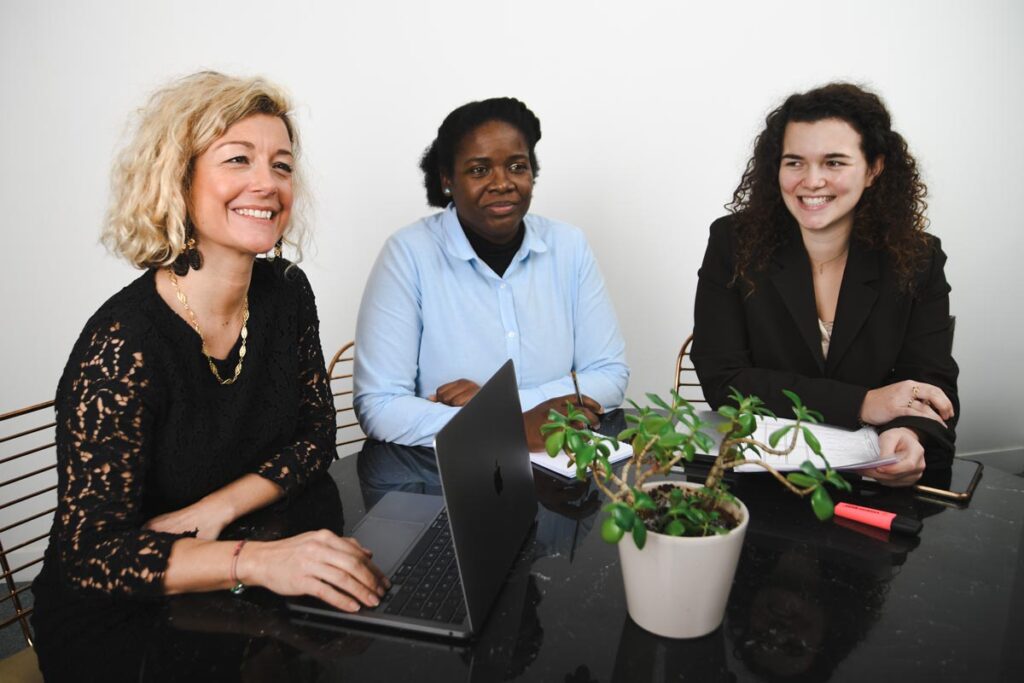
(144, 428)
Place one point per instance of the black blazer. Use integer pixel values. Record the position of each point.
(770, 341)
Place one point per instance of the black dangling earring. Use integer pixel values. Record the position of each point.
(277, 248)
(190, 257)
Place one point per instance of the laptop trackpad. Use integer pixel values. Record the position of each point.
(389, 539)
(394, 524)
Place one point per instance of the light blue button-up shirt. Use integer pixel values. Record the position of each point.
(434, 312)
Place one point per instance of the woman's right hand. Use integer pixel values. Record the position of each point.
(332, 568)
(538, 415)
(908, 397)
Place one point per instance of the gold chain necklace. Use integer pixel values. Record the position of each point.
(821, 266)
(195, 325)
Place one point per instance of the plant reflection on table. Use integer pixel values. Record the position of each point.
(806, 594)
(802, 615)
(643, 656)
(571, 498)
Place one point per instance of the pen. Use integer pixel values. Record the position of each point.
(889, 521)
(576, 385)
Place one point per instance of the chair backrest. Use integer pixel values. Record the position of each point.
(349, 435)
(685, 379)
(28, 498)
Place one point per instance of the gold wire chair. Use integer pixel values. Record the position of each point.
(28, 498)
(339, 370)
(685, 378)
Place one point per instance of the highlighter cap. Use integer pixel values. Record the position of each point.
(906, 525)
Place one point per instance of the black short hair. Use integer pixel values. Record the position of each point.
(440, 155)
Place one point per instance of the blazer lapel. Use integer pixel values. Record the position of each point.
(857, 296)
(792, 278)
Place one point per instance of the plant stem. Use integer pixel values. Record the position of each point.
(774, 472)
(641, 477)
(598, 475)
(718, 469)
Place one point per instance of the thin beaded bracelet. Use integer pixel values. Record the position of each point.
(239, 587)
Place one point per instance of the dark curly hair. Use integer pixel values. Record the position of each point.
(439, 157)
(890, 215)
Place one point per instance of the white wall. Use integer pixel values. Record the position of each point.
(648, 109)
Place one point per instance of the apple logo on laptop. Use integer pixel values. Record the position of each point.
(499, 485)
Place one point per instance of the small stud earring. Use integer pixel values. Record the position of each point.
(277, 248)
(447, 192)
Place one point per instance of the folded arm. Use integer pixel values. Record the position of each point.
(387, 356)
(926, 357)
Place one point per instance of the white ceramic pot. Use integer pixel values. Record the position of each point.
(678, 587)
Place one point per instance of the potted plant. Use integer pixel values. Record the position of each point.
(686, 537)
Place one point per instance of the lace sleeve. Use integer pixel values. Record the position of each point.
(312, 449)
(104, 424)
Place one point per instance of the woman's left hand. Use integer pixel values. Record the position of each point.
(904, 444)
(457, 393)
(203, 517)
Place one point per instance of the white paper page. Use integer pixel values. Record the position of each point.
(846, 449)
(561, 465)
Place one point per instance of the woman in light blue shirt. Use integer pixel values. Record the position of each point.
(456, 294)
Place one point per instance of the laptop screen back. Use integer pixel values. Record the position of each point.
(487, 479)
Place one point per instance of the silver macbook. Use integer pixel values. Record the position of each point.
(448, 557)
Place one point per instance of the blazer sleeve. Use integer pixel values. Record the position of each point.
(926, 356)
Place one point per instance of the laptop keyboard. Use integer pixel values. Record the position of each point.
(427, 585)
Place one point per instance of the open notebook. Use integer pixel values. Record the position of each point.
(612, 423)
(846, 449)
(561, 465)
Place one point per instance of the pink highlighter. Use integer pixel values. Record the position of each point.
(889, 521)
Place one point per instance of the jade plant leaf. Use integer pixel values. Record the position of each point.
(610, 531)
(640, 535)
(821, 503)
(553, 444)
(776, 436)
(642, 501)
(624, 517)
(810, 470)
(811, 440)
(657, 400)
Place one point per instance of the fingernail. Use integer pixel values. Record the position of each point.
(374, 601)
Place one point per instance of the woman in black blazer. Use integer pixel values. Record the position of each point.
(823, 281)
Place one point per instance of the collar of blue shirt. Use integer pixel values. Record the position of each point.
(456, 244)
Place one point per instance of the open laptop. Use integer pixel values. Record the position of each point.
(448, 557)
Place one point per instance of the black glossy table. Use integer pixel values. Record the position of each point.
(811, 601)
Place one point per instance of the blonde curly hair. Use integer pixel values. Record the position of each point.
(151, 177)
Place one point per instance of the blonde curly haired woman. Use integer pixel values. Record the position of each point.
(196, 394)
